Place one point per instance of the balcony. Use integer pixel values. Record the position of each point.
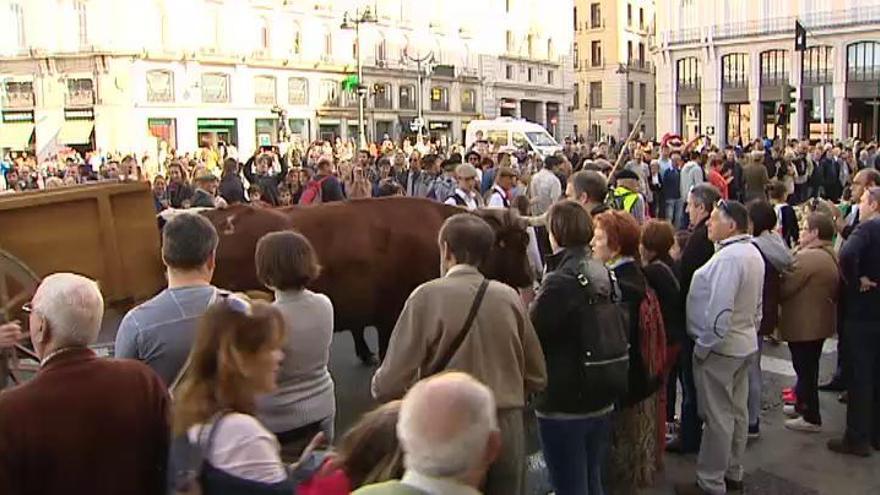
(640, 66)
(816, 21)
(80, 98)
(16, 100)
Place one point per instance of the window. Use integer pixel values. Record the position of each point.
(863, 61)
(550, 77)
(818, 65)
(641, 55)
(629, 52)
(630, 97)
(440, 98)
(643, 96)
(577, 96)
(735, 71)
(774, 68)
(407, 97)
(297, 40)
(507, 5)
(381, 51)
(18, 94)
(508, 72)
(298, 91)
(382, 95)
(82, 23)
(629, 14)
(642, 19)
(329, 94)
(596, 53)
(80, 92)
(265, 34)
(531, 74)
(687, 74)
(530, 45)
(575, 16)
(551, 50)
(596, 94)
(509, 41)
(264, 90)
(328, 45)
(496, 136)
(468, 100)
(215, 88)
(595, 15)
(17, 26)
(160, 86)
(575, 55)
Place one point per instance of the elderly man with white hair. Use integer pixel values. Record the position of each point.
(81, 414)
(449, 434)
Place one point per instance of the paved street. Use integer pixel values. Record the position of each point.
(781, 462)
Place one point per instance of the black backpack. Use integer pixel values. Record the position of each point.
(604, 341)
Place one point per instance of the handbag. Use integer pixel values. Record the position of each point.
(468, 323)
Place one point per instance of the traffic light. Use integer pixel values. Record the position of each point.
(787, 105)
(350, 83)
(782, 115)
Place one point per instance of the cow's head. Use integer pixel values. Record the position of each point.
(508, 262)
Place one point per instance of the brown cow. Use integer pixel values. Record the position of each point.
(374, 252)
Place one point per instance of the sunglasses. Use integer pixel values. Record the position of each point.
(724, 206)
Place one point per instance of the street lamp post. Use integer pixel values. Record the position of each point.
(366, 16)
(419, 90)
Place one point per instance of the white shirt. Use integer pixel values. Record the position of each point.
(244, 448)
(545, 189)
(498, 197)
(470, 199)
(436, 486)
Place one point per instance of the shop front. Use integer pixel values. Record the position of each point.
(164, 132)
(266, 131)
(217, 131)
(300, 130)
(441, 131)
(17, 131)
(689, 118)
(329, 129)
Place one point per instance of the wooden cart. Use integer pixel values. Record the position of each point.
(107, 232)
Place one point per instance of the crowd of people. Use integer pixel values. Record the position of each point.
(661, 267)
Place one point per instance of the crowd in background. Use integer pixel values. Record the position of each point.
(684, 251)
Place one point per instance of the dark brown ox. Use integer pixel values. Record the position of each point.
(374, 252)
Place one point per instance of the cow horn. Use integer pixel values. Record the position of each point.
(537, 221)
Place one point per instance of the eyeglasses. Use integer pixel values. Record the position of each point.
(724, 206)
(27, 308)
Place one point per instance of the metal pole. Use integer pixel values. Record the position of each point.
(362, 136)
(419, 99)
(876, 112)
(822, 110)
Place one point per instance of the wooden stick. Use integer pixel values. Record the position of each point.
(626, 143)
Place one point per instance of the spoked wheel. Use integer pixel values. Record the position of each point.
(17, 286)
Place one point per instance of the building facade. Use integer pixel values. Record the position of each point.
(148, 75)
(614, 73)
(723, 68)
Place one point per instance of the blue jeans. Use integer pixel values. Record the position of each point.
(575, 452)
(675, 212)
(756, 382)
(691, 424)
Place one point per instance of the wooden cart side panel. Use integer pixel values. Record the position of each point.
(137, 244)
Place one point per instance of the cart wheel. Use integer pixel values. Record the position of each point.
(17, 286)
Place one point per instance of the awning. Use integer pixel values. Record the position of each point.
(17, 136)
(76, 132)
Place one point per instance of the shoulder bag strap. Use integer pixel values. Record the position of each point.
(468, 323)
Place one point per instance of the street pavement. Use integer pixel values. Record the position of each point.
(781, 462)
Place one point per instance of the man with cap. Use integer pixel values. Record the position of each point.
(626, 195)
(205, 195)
(465, 194)
(501, 192)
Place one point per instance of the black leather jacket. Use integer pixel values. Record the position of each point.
(557, 314)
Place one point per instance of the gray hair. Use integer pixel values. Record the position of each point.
(707, 195)
(73, 306)
(444, 425)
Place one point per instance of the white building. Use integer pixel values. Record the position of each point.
(723, 66)
(140, 75)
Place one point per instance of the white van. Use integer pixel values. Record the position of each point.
(512, 134)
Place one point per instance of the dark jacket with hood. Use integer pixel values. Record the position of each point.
(662, 278)
(777, 260)
(558, 313)
(859, 258)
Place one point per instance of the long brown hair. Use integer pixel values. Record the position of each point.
(370, 452)
(228, 334)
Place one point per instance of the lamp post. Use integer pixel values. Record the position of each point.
(367, 16)
(427, 59)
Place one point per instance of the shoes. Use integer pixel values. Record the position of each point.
(841, 446)
(800, 424)
(790, 411)
(733, 485)
(789, 396)
(833, 386)
(689, 489)
(755, 431)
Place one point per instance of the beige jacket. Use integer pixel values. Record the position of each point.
(809, 296)
(502, 349)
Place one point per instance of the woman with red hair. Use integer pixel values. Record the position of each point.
(635, 454)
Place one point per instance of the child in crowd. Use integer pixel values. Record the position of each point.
(787, 221)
